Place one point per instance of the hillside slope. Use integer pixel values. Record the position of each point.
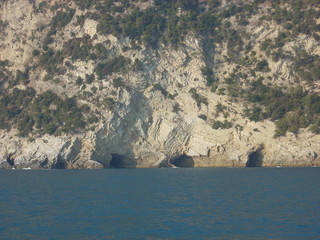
(106, 83)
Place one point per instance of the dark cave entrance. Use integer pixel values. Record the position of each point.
(255, 159)
(10, 160)
(183, 161)
(120, 161)
(59, 164)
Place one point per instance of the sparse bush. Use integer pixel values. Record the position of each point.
(114, 65)
(164, 92)
(118, 82)
(220, 108)
(79, 81)
(44, 113)
(263, 66)
(35, 52)
(176, 108)
(109, 103)
(61, 19)
(209, 75)
(291, 110)
(86, 4)
(221, 125)
(198, 98)
(89, 78)
(78, 48)
(203, 117)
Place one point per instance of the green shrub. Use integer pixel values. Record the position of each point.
(109, 103)
(79, 81)
(101, 52)
(90, 78)
(164, 92)
(147, 25)
(114, 65)
(262, 66)
(118, 82)
(61, 19)
(209, 75)
(86, 4)
(198, 98)
(315, 128)
(44, 113)
(176, 108)
(108, 25)
(23, 77)
(78, 48)
(50, 60)
(220, 108)
(4, 63)
(266, 45)
(221, 125)
(206, 23)
(203, 117)
(35, 52)
(291, 110)
(307, 66)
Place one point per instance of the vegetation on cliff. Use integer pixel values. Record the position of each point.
(166, 24)
(41, 114)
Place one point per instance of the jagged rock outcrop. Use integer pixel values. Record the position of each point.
(155, 118)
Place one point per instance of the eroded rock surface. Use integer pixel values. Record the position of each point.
(154, 120)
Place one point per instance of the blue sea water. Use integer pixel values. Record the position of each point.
(194, 203)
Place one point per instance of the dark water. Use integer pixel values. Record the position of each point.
(250, 203)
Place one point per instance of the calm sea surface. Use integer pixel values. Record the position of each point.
(207, 203)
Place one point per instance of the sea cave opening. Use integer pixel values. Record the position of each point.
(60, 164)
(183, 161)
(121, 161)
(255, 159)
(10, 160)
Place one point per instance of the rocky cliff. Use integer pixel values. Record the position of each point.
(81, 90)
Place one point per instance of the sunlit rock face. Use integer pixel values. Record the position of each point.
(146, 106)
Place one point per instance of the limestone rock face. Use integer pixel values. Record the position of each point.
(155, 119)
